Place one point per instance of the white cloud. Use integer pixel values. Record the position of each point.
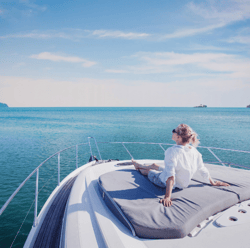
(172, 58)
(27, 92)
(116, 71)
(33, 6)
(37, 35)
(37, 7)
(239, 39)
(21, 8)
(213, 15)
(78, 34)
(190, 64)
(59, 58)
(192, 31)
(118, 34)
(222, 11)
(200, 47)
(218, 14)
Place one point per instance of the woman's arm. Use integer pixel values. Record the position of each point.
(205, 173)
(218, 183)
(169, 186)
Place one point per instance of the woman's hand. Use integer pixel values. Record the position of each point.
(166, 202)
(218, 183)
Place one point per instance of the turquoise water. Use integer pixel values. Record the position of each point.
(30, 135)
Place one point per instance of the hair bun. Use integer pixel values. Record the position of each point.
(187, 134)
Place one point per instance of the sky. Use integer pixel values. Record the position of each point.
(159, 53)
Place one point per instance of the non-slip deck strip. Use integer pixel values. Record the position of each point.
(50, 231)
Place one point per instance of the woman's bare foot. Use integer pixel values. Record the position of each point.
(136, 165)
(145, 167)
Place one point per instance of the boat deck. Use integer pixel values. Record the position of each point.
(80, 216)
(114, 234)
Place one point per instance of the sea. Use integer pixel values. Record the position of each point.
(30, 135)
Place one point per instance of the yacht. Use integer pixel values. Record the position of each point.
(107, 203)
(201, 106)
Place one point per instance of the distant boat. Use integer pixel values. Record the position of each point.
(201, 106)
(248, 106)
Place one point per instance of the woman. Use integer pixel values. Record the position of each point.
(181, 162)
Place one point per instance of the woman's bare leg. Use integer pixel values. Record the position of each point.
(144, 171)
(141, 166)
(154, 166)
(137, 165)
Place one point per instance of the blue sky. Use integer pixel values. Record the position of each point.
(125, 53)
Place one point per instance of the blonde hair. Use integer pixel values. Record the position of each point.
(187, 135)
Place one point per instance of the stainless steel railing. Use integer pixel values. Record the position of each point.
(37, 179)
(90, 147)
(204, 147)
(96, 147)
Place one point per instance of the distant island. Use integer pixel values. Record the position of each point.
(248, 106)
(3, 105)
(200, 106)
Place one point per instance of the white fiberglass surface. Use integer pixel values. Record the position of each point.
(208, 235)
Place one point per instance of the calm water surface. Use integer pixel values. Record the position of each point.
(29, 135)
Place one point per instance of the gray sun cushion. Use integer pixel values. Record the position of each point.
(138, 200)
(239, 180)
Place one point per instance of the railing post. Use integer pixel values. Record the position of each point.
(76, 156)
(162, 147)
(216, 156)
(97, 148)
(127, 150)
(36, 199)
(90, 146)
(58, 168)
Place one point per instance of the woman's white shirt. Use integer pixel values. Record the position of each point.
(182, 162)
